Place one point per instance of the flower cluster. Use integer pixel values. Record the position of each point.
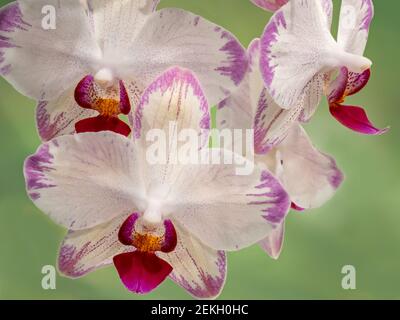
(104, 59)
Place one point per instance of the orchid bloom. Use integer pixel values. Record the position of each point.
(269, 5)
(94, 64)
(309, 176)
(157, 220)
(299, 56)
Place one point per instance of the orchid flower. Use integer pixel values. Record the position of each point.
(299, 56)
(157, 220)
(269, 5)
(94, 64)
(309, 176)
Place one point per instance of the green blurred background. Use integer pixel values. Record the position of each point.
(360, 226)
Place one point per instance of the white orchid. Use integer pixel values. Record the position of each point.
(299, 58)
(158, 220)
(281, 144)
(94, 65)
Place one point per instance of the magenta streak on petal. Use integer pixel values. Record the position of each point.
(68, 259)
(277, 197)
(11, 19)
(253, 54)
(48, 128)
(35, 169)
(355, 118)
(124, 103)
(235, 66)
(296, 207)
(337, 177)
(260, 128)
(370, 14)
(170, 237)
(211, 285)
(174, 76)
(126, 231)
(268, 39)
(141, 272)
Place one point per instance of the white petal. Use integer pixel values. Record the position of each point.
(295, 47)
(86, 250)
(225, 210)
(87, 179)
(173, 37)
(355, 19)
(118, 22)
(273, 243)
(42, 63)
(197, 268)
(310, 177)
(251, 107)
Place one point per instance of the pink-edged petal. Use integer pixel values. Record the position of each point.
(58, 117)
(39, 62)
(197, 268)
(355, 19)
(87, 250)
(141, 272)
(225, 208)
(251, 107)
(291, 50)
(174, 37)
(309, 176)
(175, 96)
(270, 5)
(273, 243)
(87, 179)
(355, 118)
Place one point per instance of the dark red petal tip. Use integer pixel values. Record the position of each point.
(355, 118)
(296, 207)
(141, 272)
(102, 123)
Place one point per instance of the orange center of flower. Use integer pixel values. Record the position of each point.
(107, 107)
(147, 242)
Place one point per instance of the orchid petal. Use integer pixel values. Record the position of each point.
(270, 5)
(58, 117)
(355, 118)
(175, 96)
(86, 250)
(197, 268)
(273, 243)
(291, 49)
(310, 177)
(225, 210)
(31, 55)
(252, 107)
(355, 19)
(84, 180)
(173, 37)
(141, 272)
(117, 22)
